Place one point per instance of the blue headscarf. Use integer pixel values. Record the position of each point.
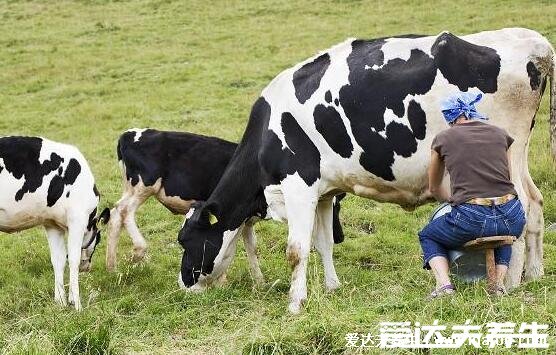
(462, 103)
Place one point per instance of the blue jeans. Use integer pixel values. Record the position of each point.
(467, 222)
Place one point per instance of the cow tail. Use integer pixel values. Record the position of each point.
(553, 105)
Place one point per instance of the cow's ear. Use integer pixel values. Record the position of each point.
(207, 216)
(104, 216)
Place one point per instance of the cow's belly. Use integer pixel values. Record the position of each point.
(174, 203)
(14, 221)
(409, 189)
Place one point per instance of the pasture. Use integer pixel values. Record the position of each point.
(82, 72)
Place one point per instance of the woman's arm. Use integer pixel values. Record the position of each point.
(436, 174)
(509, 155)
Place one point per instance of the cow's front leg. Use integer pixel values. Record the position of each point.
(76, 231)
(58, 258)
(301, 202)
(250, 243)
(324, 243)
(114, 230)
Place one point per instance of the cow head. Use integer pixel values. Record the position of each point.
(201, 238)
(92, 238)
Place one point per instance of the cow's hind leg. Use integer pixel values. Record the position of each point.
(301, 202)
(250, 242)
(324, 243)
(137, 198)
(534, 231)
(58, 258)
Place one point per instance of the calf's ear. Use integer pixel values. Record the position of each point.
(104, 216)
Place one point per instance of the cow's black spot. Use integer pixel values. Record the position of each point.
(379, 158)
(329, 124)
(534, 76)
(92, 219)
(55, 190)
(306, 80)
(336, 101)
(302, 156)
(95, 190)
(306, 159)
(466, 65)
(417, 119)
(371, 91)
(72, 172)
(328, 96)
(67, 194)
(401, 139)
(58, 182)
(21, 159)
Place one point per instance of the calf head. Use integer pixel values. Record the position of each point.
(92, 238)
(201, 237)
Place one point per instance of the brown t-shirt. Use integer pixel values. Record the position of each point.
(475, 155)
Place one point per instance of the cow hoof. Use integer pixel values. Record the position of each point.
(259, 282)
(332, 285)
(294, 307)
(533, 273)
(61, 301)
(221, 281)
(110, 265)
(196, 288)
(138, 255)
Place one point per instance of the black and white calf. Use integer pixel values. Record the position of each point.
(50, 184)
(359, 118)
(177, 168)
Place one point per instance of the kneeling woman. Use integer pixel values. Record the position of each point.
(484, 201)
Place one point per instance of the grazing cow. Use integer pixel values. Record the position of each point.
(178, 168)
(359, 118)
(50, 184)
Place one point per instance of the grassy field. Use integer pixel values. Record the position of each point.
(82, 72)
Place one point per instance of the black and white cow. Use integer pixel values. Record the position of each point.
(360, 117)
(177, 168)
(50, 184)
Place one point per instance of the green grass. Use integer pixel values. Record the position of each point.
(82, 72)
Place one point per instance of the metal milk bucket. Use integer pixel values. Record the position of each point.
(466, 265)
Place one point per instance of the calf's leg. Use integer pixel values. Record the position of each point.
(58, 258)
(324, 243)
(114, 229)
(76, 230)
(139, 242)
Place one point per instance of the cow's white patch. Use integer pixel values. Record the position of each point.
(138, 133)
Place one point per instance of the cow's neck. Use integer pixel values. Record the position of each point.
(239, 194)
